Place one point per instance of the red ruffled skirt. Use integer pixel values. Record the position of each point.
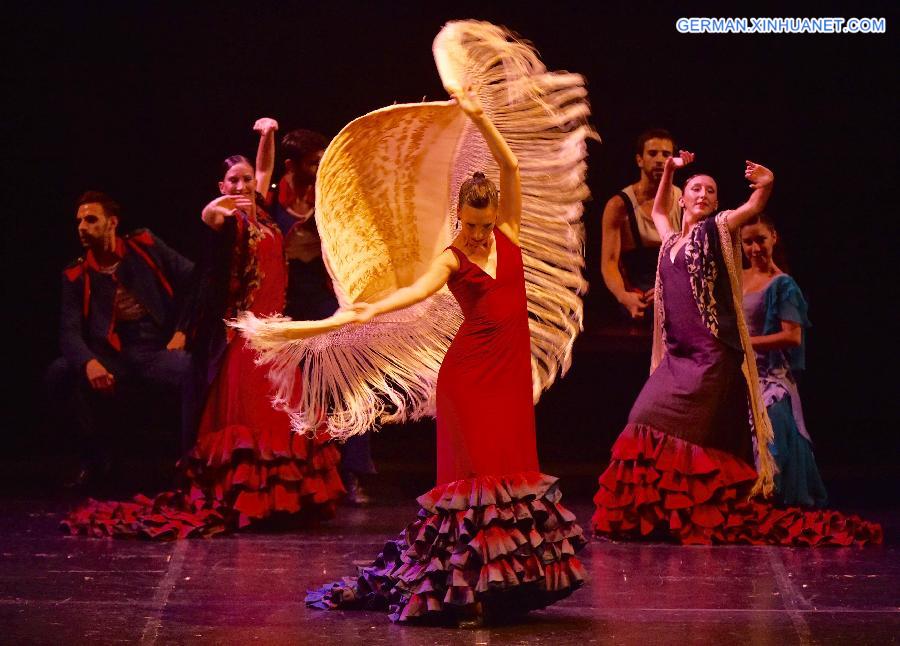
(255, 477)
(242, 482)
(247, 466)
(505, 542)
(661, 487)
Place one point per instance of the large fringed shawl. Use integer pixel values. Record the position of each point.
(714, 263)
(386, 207)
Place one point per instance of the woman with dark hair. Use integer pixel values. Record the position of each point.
(246, 460)
(492, 537)
(247, 465)
(776, 314)
(683, 467)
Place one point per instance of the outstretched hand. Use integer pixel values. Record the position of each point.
(683, 159)
(245, 203)
(468, 101)
(759, 175)
(265, 125)
(363, 312)
(223, 205)
(227, 206)
(230, 205)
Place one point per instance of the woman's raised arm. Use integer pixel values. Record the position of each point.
(265, 153)
(761, 181)
(509, 214)
(662, 203)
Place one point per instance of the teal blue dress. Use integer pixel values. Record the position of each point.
(798, 481)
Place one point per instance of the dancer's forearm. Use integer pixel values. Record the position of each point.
(662, 203)
(427, 284)
(790, 336)
(761, 181)
(509, 214)
(500, 150)
(265, 153)
(754, 205)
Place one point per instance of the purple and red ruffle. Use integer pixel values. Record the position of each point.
(661, 487)
(504, 542)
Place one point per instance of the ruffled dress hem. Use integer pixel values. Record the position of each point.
(504, 542)
(236, 480)
(660, 487)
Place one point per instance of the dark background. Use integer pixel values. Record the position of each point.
(143, 100)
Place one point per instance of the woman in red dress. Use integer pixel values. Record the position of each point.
(492, 538)
(247, 464)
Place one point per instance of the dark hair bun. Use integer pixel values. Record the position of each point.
(478, 191)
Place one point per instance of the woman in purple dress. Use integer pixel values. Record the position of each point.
(686, 464)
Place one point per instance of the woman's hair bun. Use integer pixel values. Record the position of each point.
(478, 191)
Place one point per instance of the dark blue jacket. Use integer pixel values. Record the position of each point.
(155, 274)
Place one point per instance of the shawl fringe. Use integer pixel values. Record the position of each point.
(358, 377)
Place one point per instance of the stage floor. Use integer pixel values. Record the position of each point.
(249, 588)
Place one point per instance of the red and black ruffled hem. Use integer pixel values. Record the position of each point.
(234, 482)
(505, 542)
(661, 487)
(257, 480)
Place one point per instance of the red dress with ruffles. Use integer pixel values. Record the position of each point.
(681, 469)
(493, 530)
(247, 464)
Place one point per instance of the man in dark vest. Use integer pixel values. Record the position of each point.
(120, 307)
(630, 242)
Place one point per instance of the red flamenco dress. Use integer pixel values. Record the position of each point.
(247, 465)
(493, 530)
(682, 469)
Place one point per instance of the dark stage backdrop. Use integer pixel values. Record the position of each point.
(143, 99)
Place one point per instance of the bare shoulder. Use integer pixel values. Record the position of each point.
(614, 211)
(448, 258)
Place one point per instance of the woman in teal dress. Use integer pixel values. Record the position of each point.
(776, 315)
